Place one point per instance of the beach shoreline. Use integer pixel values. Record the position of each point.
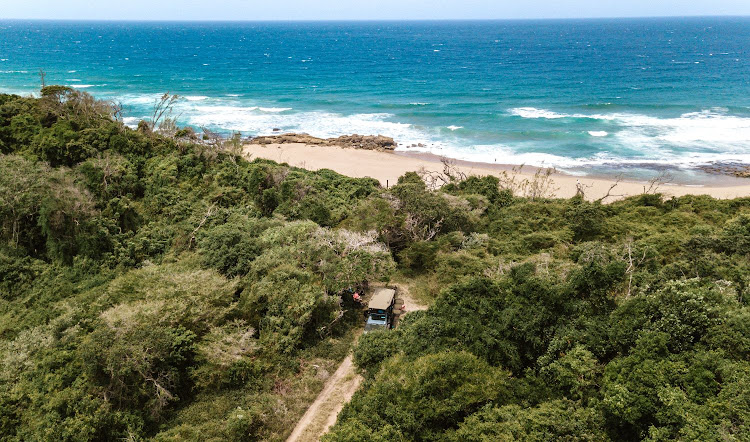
(717, 179)
(387, 167)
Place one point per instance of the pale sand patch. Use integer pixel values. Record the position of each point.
(387, 167)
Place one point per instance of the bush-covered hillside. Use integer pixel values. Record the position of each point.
(162, 287)
(152, 287)
(565, 320)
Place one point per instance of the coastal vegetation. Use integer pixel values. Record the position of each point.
(155, 284)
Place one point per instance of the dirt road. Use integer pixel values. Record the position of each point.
(321, 415)
(338, 391)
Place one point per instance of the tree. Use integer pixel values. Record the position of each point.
(422, 398)
(141, 365)
(549, 421)
(161, 117)
(23, 187)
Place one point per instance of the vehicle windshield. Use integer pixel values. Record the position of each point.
(375, 321)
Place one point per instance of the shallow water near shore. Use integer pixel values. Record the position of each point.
(602, 97)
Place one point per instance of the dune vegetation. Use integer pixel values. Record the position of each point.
(155, 284)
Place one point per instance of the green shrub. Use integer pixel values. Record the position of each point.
(426, 396)
(374, 349)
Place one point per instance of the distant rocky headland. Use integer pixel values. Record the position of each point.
(366, 142)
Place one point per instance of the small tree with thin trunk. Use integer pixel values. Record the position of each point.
(161, 118)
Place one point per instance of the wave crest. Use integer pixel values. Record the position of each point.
(710, 129)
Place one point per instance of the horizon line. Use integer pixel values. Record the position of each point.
(350, 20)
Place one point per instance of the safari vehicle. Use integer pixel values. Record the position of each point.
(380, 310)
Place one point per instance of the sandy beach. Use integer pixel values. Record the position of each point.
(387, 167)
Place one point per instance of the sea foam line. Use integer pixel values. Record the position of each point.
(689, 140)
(710, 129)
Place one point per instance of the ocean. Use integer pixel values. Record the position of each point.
(585, 96)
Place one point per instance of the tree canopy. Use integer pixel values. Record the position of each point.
(154, 286)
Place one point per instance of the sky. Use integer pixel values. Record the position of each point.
(360, 9)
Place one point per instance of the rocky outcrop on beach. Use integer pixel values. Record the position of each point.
(738, 170)
(366, 142)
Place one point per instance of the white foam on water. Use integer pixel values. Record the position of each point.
(532, 112)
(196, 97)
(503, 154)
(131, 122)
(263, 121)
(706, 130)
(498, 154)
(710, 129)
(20, 92)
(686, 141)
(139, 99)
(274, 109)
(229, 115)
(82, 86)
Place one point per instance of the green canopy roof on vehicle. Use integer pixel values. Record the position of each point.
(382, 299)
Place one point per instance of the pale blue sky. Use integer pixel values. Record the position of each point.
(361, 9)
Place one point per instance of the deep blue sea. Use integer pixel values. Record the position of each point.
(580, 95)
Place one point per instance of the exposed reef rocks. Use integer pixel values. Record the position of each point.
(366, 142)
(739, 170)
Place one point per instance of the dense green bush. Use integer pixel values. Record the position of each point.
(554, 420)
(151, 287)
(423, 397)
(143, 278)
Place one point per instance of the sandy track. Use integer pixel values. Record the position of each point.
(322, 414)
(410, 305)
(338, 391)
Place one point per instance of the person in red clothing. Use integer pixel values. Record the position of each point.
(357, 297)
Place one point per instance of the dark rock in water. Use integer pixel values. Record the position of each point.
(739, 170)
(367, 142)
(276, 129)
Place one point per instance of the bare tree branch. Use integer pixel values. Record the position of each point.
(656, 182)
(611, 188)
(451, 173)
(208, 215)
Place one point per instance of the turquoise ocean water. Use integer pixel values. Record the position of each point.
(582, 95)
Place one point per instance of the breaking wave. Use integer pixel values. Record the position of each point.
(712, 129)
(609, 139)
